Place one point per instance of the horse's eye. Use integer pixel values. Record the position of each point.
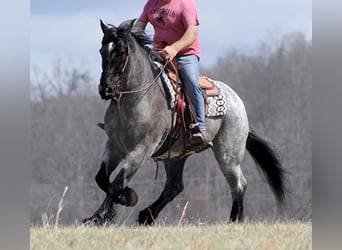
(120, 53)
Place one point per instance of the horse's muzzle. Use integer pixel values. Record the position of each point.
(105, 92)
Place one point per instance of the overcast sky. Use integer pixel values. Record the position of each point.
(70, 30)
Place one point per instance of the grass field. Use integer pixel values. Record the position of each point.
(280, 235)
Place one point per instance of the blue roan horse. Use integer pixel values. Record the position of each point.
(139, 117)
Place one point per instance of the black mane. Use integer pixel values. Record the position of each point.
(124, 34)
(142, 38)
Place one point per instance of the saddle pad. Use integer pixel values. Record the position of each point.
(168, 86)
(216, 103)
(216, 106)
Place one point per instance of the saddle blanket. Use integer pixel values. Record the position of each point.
(216, 103)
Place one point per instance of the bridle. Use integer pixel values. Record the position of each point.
(121, 74)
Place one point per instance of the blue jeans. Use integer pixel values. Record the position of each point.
(189, 74)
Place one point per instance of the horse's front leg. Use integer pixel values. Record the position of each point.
(110, 160)
(117, 193)
(106, 212)
(118, 190)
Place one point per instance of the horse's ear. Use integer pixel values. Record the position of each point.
(127, 25)
(105, 28)
(131, 24)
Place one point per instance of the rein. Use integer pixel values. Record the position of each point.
(119, 93)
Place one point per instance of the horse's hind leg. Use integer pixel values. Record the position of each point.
(173, 186)
(229, 162)
(238, 185)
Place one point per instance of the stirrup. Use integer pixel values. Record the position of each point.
(197, 137)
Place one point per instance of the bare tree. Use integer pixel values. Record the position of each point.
(60, 80)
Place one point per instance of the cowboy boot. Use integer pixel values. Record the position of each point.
(197, 137)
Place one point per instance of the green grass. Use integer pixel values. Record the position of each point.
(281, 235)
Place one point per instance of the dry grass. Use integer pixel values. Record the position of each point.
(282, 235)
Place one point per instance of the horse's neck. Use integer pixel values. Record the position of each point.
(140, 75)
(146, 102)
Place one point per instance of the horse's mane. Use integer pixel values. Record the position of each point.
(124, 33)
(142, 38)
(145, 42)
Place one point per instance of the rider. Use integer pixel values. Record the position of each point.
(175, 24)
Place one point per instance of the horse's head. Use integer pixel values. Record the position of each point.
(114, 53)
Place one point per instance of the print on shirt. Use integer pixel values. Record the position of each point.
(160, 20)
(162, 13)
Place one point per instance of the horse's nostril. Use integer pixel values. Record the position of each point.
(103, 91)
(109, 91)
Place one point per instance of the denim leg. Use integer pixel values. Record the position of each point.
(189, 74)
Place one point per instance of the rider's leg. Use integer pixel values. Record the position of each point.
(189, 73)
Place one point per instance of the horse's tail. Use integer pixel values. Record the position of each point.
(268, 161)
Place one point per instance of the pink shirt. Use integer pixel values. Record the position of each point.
(170, 21)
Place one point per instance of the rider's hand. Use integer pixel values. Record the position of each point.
(169, 52)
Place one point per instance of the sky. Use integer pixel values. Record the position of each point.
(70, 31)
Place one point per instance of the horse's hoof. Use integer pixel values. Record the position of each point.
(128, 197)
(94, 220)
(145, 218)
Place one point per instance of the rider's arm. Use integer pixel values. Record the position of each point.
(184, 42)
